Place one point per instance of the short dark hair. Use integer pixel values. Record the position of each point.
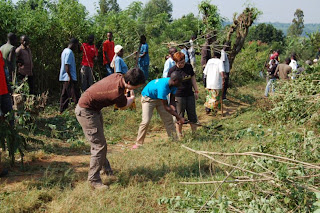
(287, 60)
(91, 36)
(176, 76)
(11, 36)
(109, 32)
(135, 76)
(217, 53)
(73, 41)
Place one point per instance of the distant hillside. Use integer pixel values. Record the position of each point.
(308, 28)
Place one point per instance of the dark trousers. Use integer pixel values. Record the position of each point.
(225, 84)
(69, 91)
(30, 82)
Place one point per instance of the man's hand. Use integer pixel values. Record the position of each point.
(181, 120)
(196, 95)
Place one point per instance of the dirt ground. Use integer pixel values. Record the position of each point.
(79, 162)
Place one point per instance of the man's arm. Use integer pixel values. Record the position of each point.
(171, 109)
(195, 86)
(11, 57)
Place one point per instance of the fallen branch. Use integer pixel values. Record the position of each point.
(227, 181)
(253, 154)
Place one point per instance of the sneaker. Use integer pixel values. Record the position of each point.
(98, 185)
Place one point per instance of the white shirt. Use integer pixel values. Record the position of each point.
(169, 63)
(192, 52)
(293, 65)
(213, 71)
(225, 61)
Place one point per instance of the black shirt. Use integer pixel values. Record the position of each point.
(187, 72)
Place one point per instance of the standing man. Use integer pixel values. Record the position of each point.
(90, 53)
(5, 103)
(214, 77)
(169, 62)
(9, 55)
(154, 95)
(68, 75)
(226, 65)
(283, 70)
(108, 53)
(119, 65)
(25, 64)
(206, 54)
(272, 78)
(192, 53)
(143, 60)
(106, 92)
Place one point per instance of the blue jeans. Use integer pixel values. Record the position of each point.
(269, 84)
(109, 70)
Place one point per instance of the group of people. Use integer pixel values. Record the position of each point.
(172, 96)
(289, 69)
(112, 60)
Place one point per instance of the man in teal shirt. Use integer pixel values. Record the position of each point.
(154, 95)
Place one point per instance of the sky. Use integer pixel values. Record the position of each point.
(273, 10)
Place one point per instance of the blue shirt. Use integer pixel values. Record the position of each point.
(120, 66)
(67, 57)
(144, 61)
(186, 57)
(158, 89)
(169, 63)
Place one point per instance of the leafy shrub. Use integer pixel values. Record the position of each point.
(297, 100)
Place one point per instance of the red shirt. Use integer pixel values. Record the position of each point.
(89, 52)
(108, 46)
(3, 82)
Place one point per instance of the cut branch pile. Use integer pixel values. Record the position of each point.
(266, 176)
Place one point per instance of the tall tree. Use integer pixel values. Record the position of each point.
(156, 7)
(296, 28)
(108, 5)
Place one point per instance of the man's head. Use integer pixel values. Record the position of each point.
(134, 78)
(216, 54)
(73, 44)
(293, 56)
(109, 36)
(118, 49)
(179, 58)
(24, 40)
(12, 38)
(193, 37)
(175, 79)
(287, 61)
(90, 39)
(273, 62)
(143, 39)
(172, 51)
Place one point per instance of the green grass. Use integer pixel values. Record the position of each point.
(147, 179)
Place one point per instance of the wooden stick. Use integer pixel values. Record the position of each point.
(215, 191)
(260, 154)
(227, 181)
(223, 163)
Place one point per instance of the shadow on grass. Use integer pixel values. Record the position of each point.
(143, 174)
